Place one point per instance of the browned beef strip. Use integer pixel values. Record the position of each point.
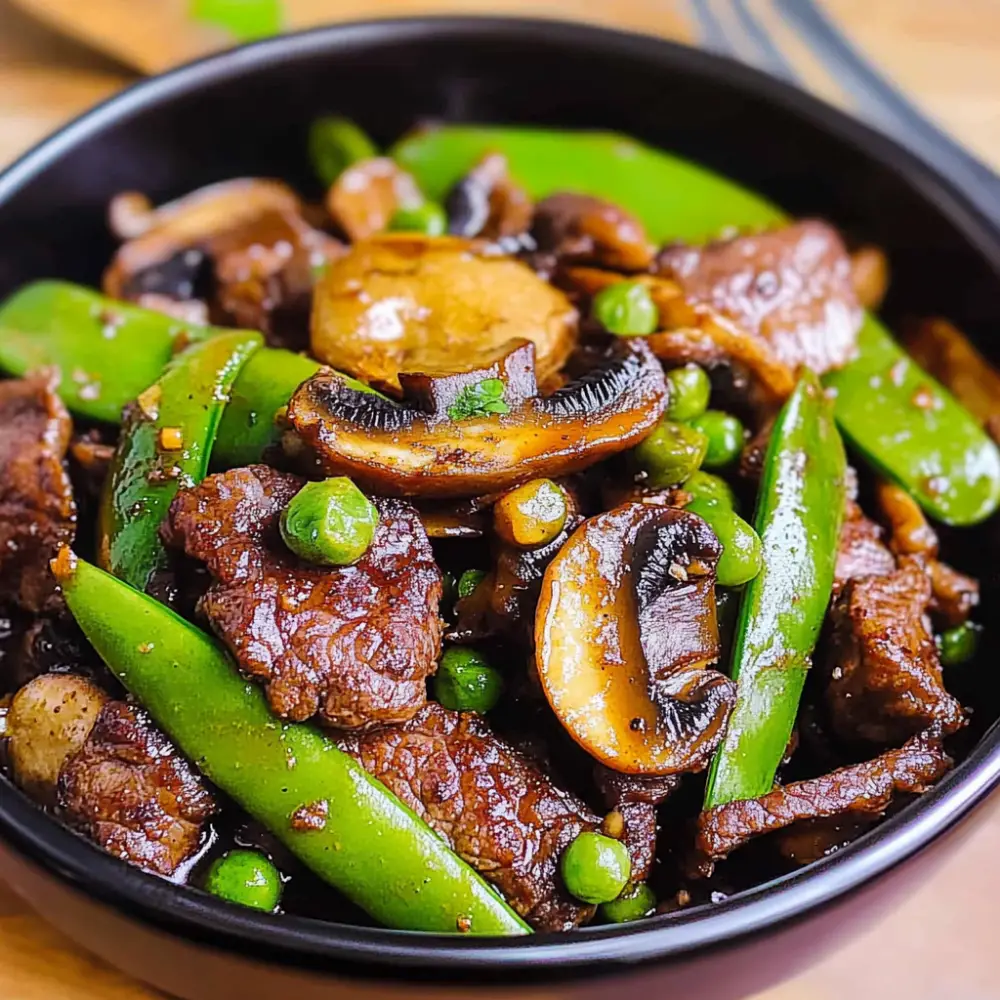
(862, 551)
(858, 791)
(635, 798)
(130, 792)
(953, 594)
(492, 805)
(352, 644)
(788, 289)
(37, 512)
(884, 674)
(264, 269)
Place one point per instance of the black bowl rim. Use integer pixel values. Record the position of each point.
(290, 939)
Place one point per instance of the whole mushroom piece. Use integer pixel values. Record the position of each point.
(625, 632)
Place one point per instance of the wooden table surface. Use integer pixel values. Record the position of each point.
(938, 944)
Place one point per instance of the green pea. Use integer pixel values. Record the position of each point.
(958, 645)
(247, 878)
(336, 143)
(469, 580)
(635, 902)
(465, 682)
(428, 218)
(330, 523)
(626, 308)
(725, 437)
(741, 558)
(671, 453)
(690, 389)
(595, 868)
(709, 487)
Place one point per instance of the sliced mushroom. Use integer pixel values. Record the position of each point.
(707, 340)
(365, 196)
(402, 450)
(48, 721)
(575, 228)
(159, 235)
(487, 203)
(436, 305)
(870, 276)
(624, 634)
(239, 253)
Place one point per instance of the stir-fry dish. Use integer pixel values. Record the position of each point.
(535, 533)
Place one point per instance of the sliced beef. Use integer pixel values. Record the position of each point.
(634, 799)
(265, 270)
(37, 512)
(862, 552)
(953, 594)
(129, 791)
(772, 301)
(353, 645)
(855, 792)
(492, 805)
(884, 674)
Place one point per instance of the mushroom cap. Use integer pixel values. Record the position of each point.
(625, 631)
(410, 303)
(404, 450)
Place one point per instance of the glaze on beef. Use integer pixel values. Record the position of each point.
(770, 301)
(493, 805)
(858, 791)
(885, 680)
(354, 644)
(862, 551)
(133, 794)
(37, 512)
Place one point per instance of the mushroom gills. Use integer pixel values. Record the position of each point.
(625, 632)
(402, 449)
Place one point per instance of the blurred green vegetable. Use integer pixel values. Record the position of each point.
(428, 218)
(245, 20)
(690, 390)
(336, 143)
(626, 308)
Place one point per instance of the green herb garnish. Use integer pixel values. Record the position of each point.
(479, 400)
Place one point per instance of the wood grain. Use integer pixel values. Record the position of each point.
(939, 944)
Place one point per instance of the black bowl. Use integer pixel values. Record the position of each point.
(247, 112)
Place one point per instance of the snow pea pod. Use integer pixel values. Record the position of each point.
(799, 512)
(165, 443)
(675, 199)
(371, 847)
(262, 389)
(107, 351)
(938, 453)
(914, 431)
